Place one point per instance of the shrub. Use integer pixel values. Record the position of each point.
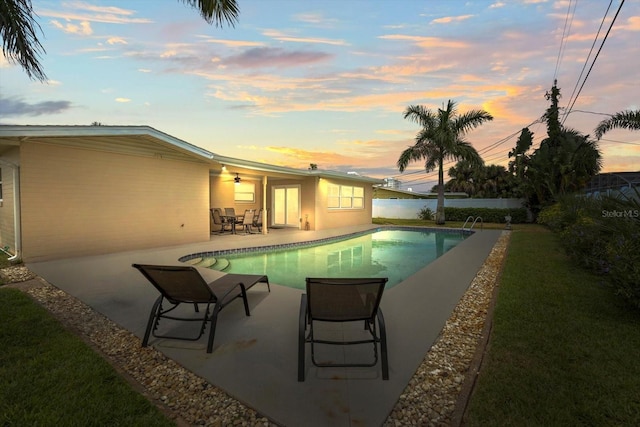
(494, 215)
(425, 214)
(603, 235)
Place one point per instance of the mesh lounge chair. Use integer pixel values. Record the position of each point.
(184, 284)
(342, 300)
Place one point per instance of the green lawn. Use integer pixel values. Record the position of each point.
(49, 377)
(564, 349)
(448, 224)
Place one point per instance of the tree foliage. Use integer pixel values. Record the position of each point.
(564, 163)
(441, 138)
(487, 181)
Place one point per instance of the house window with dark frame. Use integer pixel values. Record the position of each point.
(345, 197)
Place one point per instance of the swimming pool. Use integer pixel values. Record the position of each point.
(396, 253)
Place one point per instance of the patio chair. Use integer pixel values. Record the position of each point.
(247, 220)
(219, 220)
(257, 221)
(230, 213)
(184, 284)
(342, 300)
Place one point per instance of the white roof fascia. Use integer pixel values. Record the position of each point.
(263, 167)
(27, 131)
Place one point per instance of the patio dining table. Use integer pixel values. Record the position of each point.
(232, 219)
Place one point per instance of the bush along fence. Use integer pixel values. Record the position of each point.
(603, 235)
(518, 216)
(410, 208)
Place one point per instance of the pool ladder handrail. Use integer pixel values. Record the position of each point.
(470, 217)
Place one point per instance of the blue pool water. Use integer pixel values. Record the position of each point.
(394, 253)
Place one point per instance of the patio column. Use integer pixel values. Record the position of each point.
(265, 215)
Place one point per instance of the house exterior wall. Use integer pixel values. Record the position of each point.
(7, 213)
(334, 218)
(85, 202)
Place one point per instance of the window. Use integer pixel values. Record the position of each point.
(345, 197)
(245, 192)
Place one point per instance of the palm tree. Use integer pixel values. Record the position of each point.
(440, 138)
(463, 178)
(628, 119)
(20, 42)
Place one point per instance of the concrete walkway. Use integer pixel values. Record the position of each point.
(255, 358)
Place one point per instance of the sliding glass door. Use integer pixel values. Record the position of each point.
(286, 206)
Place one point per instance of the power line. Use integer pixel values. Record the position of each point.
(590, 112)
(565, 33)
(594, 61)
(620, 142)
(589, 55)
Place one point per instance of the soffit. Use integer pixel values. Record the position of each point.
(132, 145)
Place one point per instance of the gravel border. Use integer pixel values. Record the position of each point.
(435, 395)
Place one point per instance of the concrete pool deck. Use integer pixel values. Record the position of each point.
(255, 358)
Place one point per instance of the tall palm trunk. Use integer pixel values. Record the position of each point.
(440, 206)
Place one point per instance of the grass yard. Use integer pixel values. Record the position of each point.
(448, 224)
(564, 349)
(49, 377)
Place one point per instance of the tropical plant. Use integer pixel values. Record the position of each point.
(564, 163)
(441, 137)
(602, 234)
(425, 214)
(20, 44)
(628, 119)
(487, 181)
(518, 165)
(464, 177)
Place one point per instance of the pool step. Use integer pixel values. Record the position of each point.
(193, 261)
(207, 262)
(221, 264)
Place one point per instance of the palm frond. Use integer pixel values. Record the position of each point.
(20, 42)
(471, 120)
(216, 12)
(419, 114)
(628, 119)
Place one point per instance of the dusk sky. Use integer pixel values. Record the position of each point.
(326, 82)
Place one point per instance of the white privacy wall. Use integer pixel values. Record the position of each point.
(409, 208)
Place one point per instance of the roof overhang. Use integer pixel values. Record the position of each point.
(131, 138)
(272, 169)
(14, 135)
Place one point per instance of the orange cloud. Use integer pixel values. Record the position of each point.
(633, 24)
(232, 43)
(108, 15)
(449, 19)
(427, 42)
(83, 29)
(275, 34)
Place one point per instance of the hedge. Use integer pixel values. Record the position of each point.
(494, 215)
